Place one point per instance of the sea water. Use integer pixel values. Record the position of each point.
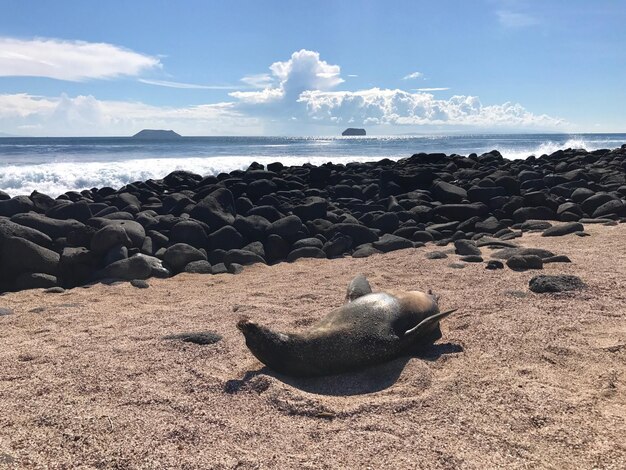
(56, 165)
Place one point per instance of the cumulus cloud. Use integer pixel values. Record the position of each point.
(69, 60)
(300, 95)
(86, 115)
(397, 107)
(413, 76)
(303, 71)
(440, 88)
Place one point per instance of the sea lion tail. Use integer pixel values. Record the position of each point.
(427, 323)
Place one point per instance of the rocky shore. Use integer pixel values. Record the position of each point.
(216, 224)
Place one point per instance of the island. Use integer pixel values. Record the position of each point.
(156, 134)
(353, 131)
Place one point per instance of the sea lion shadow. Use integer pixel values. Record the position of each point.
(370, 380)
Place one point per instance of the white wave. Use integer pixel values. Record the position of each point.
(550, 147)
(56, 178)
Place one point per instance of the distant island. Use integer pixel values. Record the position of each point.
(156, 134)
(353, 131)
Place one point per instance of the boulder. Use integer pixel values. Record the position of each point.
(559, 283)
(177, 256)
(217, 209)
(306, 252)
(22, 256)
(563, 229)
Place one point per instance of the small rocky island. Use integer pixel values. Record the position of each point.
(353, 131)
(156, 134)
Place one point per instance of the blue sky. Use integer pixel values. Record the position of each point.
(312, 68)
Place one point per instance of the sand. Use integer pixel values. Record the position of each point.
(519, 380)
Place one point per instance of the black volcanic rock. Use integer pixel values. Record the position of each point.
(157, 134)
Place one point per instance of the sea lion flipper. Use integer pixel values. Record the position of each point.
(358, 287)
(427, 323)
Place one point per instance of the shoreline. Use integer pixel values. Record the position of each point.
(274, 213)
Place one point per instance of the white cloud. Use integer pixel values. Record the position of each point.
(303, 71)
(88, 116)
(69, 60)
(397, 107)
(186, 86)
(299, 96)
(259, 80)
(515, 20)
(413, 76)
(442, 88)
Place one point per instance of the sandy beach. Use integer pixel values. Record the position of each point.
(519, 380)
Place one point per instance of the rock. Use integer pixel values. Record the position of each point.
(592, 203)
(308, 242)
(276, 248)
(217, 209)
(461, 212)
(135, 231)
(494, 264)
(11, 229)
(139, 283)
(386, 222)
(436, 255)
(242, 257)
(219, 268)
(466, 247)
(448, 193)
(615, 207)
(389, 242)
(506, 253)
(557, 259)
(116, 253)
(533, 225)
(252, 227)
(360, 234)
(489, 225)
(337, 245)
(179, 255)
(306, 252)
(522, 263)
(364, 251)
(135, 267)
(54, 290)
(255, 247)
(16, 205)
(235, 268)
(226, 238)
(199, 267)
(78, 211)
(108, 237)
(312, 208)
(422, 236)
(52, 227)
(286, 227)
(35, 281)
(22, 256)
(189, 232)
(76, 266)
(538, 213)
(560, 283)
(456, 265)
(201, 337)
(563, 229)
(472, 259)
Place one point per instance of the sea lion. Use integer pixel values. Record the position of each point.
(369, 329)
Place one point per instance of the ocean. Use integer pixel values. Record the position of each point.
(56, 165)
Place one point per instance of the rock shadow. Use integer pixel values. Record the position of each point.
(370, 380)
